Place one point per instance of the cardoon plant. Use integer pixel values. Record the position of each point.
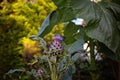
(56, 57)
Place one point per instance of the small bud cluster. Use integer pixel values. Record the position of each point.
(39, 72)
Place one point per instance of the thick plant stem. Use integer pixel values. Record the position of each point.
(92, 55)
(93, 62)
(53, 69)
(54, 73)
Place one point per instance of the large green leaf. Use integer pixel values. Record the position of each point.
(106, 31)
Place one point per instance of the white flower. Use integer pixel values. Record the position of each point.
(78, 21)
(96, 1)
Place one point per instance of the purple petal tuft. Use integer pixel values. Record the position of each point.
(58, 37)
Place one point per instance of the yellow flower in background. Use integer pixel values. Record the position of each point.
(30, 48)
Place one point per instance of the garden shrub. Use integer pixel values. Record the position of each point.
(10, 33)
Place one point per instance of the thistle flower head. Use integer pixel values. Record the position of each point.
(56, 47)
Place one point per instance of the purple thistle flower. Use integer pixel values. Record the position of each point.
(56, 47)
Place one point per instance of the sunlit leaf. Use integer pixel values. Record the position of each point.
(48, 24)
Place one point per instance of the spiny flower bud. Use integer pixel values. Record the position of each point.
(56, 47)
(39, 72)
